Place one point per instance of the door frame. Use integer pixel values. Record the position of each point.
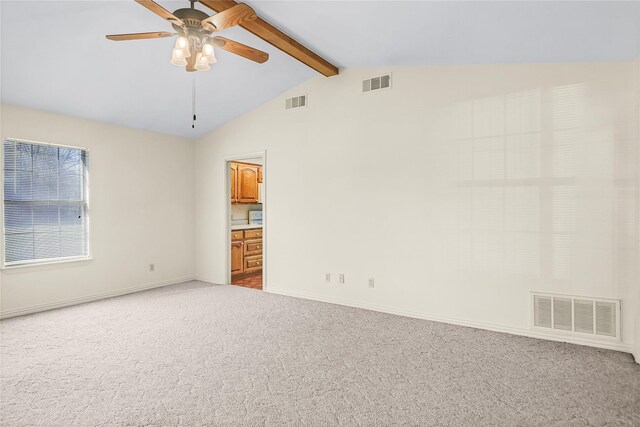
(227, 193)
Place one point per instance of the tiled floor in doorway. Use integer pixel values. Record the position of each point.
(253, 282)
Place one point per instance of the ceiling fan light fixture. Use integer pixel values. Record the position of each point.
(183, 43)
(208, 53)
(178, 58)
(201, 63)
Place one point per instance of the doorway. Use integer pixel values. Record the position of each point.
(245, 220)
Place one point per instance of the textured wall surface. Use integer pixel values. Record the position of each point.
(141, 212)
(636, 347)
(460, 190)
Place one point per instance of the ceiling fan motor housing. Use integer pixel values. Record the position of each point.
(193, 20)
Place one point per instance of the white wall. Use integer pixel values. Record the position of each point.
(460, 190)
(141, 212)
(636, 347)
(240, 212)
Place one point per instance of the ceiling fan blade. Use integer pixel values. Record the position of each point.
(241, 49)
(140, 36)
(231, 17)
(160, 11)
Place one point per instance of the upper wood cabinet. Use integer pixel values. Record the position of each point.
(244, 182)
(234, 182)
(247, 183)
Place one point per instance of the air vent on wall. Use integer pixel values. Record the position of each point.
(296, 102)
(577, 315)
(376, 83)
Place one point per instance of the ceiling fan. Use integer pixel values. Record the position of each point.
(194, 48)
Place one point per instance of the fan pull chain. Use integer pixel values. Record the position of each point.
(193, 101)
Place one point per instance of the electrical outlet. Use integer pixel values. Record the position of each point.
(327, 277)
(372, 283)
(152, 267)
(341, 278)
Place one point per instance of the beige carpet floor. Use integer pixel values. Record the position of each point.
(197, 354)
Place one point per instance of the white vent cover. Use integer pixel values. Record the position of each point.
(376, 83)
(296, 102)
(577, 315)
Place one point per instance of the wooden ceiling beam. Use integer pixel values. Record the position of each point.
(277, 38)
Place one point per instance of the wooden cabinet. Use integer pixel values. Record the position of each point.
(245, 178)
(234, 182)
(246, 252)
(254, 233)
(252, 247)
(247, 183)
(252, 263)
(237, 262)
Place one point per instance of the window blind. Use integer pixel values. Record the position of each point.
(45, 202)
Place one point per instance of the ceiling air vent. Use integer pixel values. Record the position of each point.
(296, 102)
(577, 315)
(376, 83)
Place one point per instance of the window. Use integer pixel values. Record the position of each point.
(45, 203)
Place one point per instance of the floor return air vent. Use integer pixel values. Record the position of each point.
(576, 315)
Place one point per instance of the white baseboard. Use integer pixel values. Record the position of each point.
(618, 346)
(88, 298)
(350, 303)
(204, 279)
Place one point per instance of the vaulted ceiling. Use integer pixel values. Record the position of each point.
(54, 55)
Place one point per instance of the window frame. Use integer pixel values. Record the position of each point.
(45, 261)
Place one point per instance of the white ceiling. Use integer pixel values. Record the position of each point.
(55, 57)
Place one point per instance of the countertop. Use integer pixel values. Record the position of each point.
(245, 226)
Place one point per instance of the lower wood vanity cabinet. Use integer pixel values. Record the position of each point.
(252, 263)
(254, 233)
(246, 252)
(253, 247)
(236, 258)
